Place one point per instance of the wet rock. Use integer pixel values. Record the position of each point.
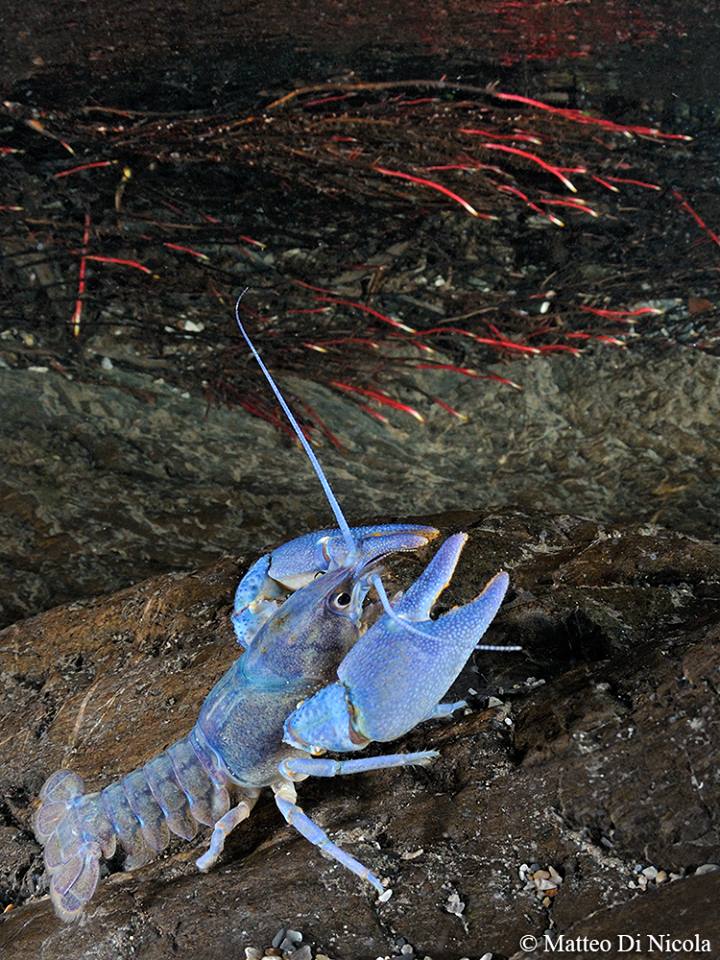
(605, 769)
(106, 482)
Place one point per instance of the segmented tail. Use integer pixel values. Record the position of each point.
(172, 793)
(75, 835)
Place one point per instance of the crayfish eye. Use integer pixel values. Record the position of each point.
(342, 600)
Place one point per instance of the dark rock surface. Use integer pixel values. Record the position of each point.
(607, 766)
(105, 483)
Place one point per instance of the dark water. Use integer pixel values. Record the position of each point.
(112, 476)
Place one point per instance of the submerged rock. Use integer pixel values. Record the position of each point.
(104, 483)
(595, 760)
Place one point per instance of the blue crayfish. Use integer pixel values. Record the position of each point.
(312, 678)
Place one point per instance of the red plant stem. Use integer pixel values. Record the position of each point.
(244, 237)
(471, 164)
(604, 338)
(294, 313)
(604, 183)
(318, 420)
(501, 344)
(321, 100)
(84, 166)
(506, 188)
(451, 410)
(365, 309)
(572, 204)
(559, 348)
(505, 380)
(335, 341)
(433, 185)
(119, 261)
(77, 312)
(464, 371)
(181, 249)
(309, 286)
(621, 314)
(380, 398)
(634, 183)
(548, 167)
(525, 137)
(684, 203)
(375, 414)
(578, 116)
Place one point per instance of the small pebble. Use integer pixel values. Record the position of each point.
(661, 877)
(384, 897)
(487, 956)
(106, 363)
(708, 868)
(279, 937)
(650, 872)
(454, 904)
(304, 953)
(252, 953)
(412, 855)
(406, 950)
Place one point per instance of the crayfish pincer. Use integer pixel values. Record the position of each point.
(313, 677)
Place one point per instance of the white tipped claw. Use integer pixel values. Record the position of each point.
(399, 671)
(418, 600)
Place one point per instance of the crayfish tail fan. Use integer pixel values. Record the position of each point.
(76, 834)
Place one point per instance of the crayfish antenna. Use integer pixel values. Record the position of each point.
(325, 483)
